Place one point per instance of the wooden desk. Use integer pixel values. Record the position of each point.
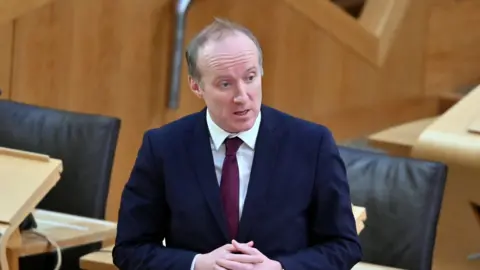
(66, 230)
(25, 178)
(454, 139)
(102, 260)
(369, 266)
(360, 214)
(399, 140)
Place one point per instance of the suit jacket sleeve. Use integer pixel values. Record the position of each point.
(333, 234)
(143, 219)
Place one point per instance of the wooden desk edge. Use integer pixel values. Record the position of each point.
(388, 139)
(102, 259)
(370, 266)
(42, 246)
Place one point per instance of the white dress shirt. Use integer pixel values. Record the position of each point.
(244, 155)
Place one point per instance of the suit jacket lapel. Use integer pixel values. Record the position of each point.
(201, 157)
(265, 157)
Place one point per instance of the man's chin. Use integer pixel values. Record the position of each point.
(242, 127)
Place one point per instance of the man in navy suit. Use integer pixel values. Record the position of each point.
(238, 185)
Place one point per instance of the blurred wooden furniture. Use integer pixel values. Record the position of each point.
(66, 230)
(452, 51)
(454, 139)
(11, 9)
(352, 7)
(369, 266)
(360, 215)
(86, 145)
(399, 140)
(25, 178)
(100, 260)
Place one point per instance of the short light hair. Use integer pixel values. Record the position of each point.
(216, 31)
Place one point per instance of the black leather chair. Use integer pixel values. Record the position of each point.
(403, 197)
(85, 143)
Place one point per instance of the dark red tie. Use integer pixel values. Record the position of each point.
(229, 185)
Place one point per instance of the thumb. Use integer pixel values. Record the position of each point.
(244, 248)
(236, 243)
(229, 247)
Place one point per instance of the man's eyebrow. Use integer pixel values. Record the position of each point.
(222, 77)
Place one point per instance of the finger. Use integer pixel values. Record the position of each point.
(244, 258)
(242, 248)
(250, 244)
(236, 244)
(233, 265)
(229, 247)
(218, 267)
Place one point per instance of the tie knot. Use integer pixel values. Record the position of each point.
(232, 145)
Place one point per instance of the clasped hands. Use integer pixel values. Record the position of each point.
(236, 256)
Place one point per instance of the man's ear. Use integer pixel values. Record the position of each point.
(195, 87)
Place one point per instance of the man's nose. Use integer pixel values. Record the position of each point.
(241, 95)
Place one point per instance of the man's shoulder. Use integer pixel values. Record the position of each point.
(177, 129)
(298, 126)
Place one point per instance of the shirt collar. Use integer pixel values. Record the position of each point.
(218, 135)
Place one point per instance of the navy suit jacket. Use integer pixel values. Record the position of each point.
(297, 210)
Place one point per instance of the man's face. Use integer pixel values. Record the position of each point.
(231, 82)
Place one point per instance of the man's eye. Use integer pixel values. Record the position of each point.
(224, 84)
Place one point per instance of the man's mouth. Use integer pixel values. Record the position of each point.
(241, 113)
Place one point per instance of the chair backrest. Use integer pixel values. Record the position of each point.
(85, 143)
(403, 198)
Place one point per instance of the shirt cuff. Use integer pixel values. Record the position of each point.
(193, 262)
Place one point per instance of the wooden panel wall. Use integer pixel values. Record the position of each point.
(453, 51)
(6, 46)
(97, 56)
(113, 57)
(12, 9)
(310, 74)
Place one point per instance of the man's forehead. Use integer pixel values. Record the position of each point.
(228, 45)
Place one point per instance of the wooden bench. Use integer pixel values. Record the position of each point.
(99, 260)
(398, 140)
